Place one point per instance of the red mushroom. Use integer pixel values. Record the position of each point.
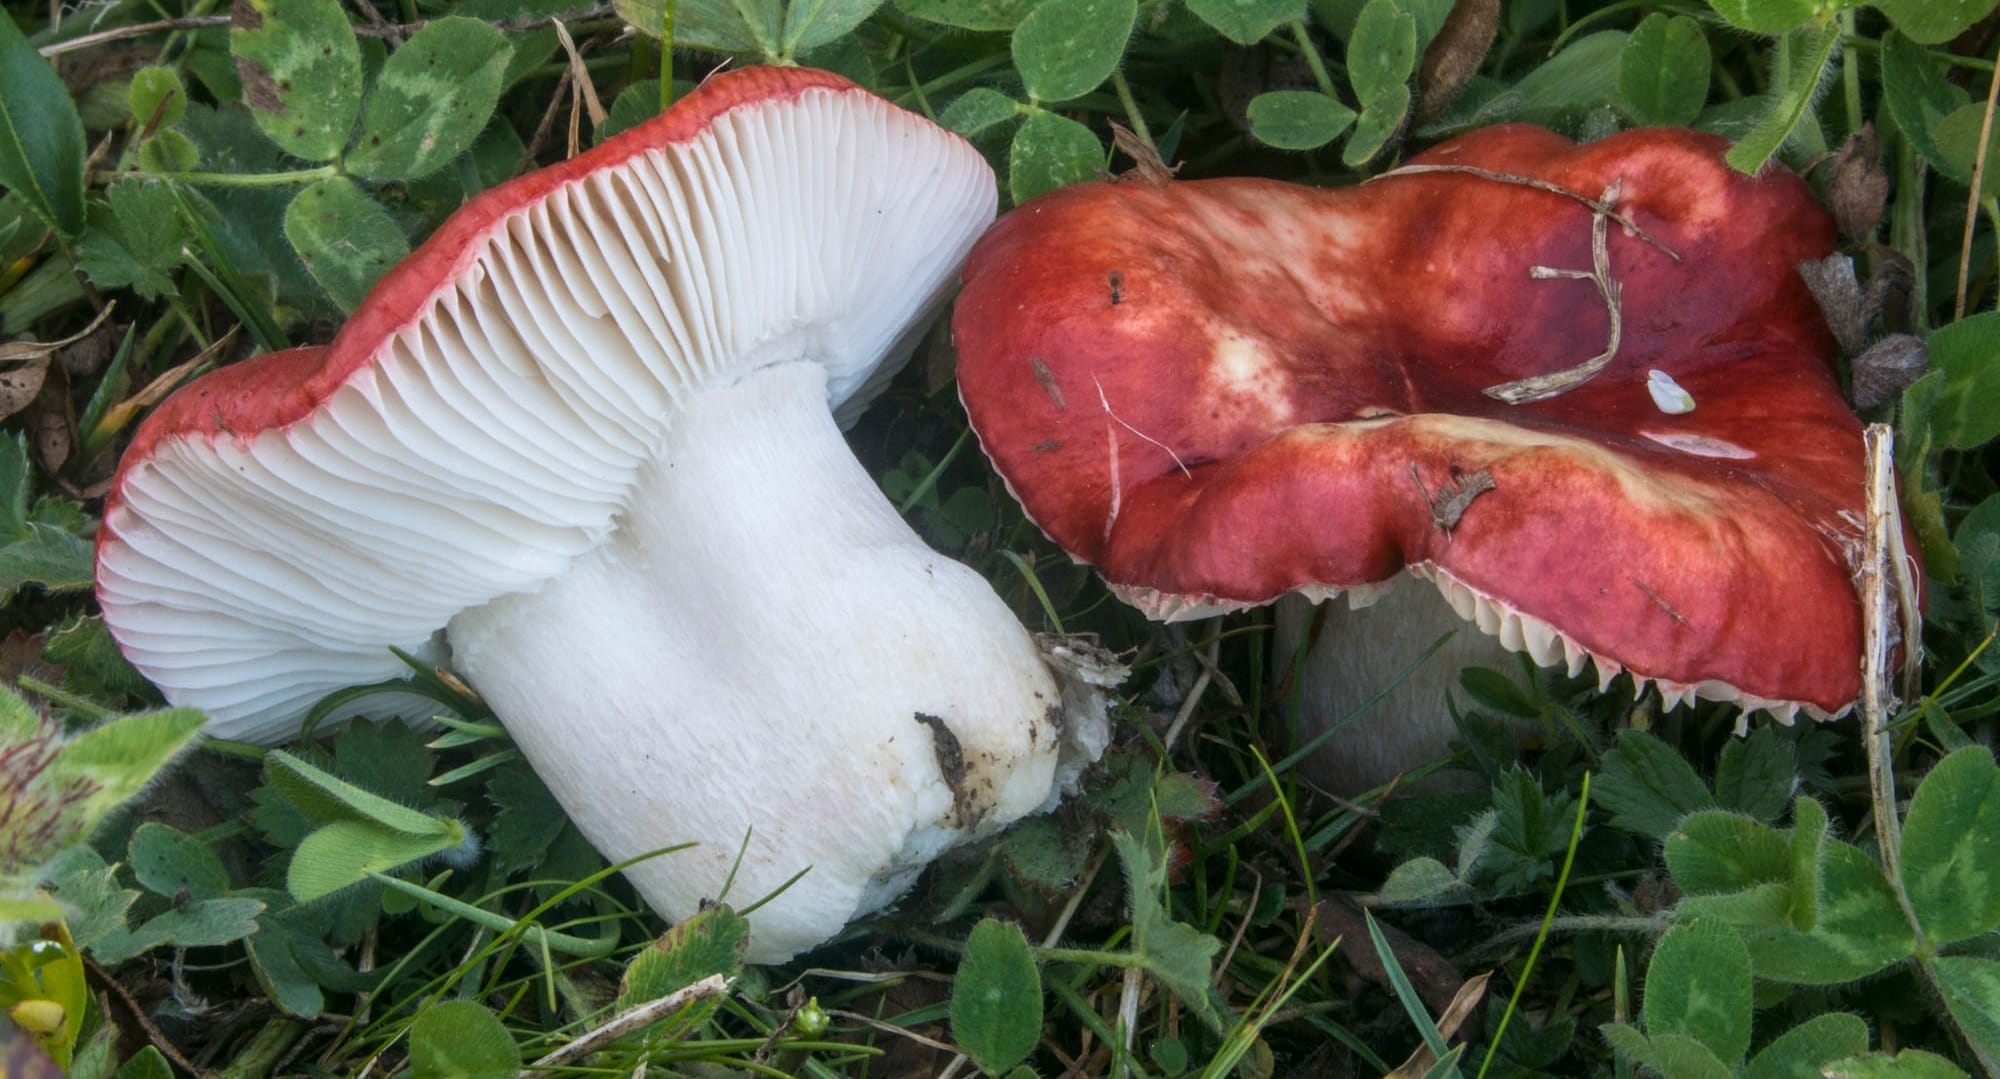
(1579, 389)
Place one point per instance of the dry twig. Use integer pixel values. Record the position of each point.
(153, 1033)
(1972, 196)
(1542, 387)
(1606, 206)
(579, 79)
(631, 1019)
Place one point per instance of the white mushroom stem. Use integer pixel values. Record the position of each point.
(763, 639)
(1359, 652)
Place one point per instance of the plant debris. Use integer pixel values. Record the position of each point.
(1555, 383)
(1454, 496)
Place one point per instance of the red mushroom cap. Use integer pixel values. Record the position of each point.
(1218, 392)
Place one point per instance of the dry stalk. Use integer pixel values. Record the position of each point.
(1242, 927)
(1881, 630)
(580, 77)
(891, 1028)
(1462, 1003)
(1200, 687)
(543, 128)
(154, 1035)
(1972, 196)
(1542, 387)
(631, 1019)
(1128, 1006)
(1603, 207)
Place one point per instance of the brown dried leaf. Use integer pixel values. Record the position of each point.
(17, 351)
(1891, 292)
(19, 386)
(1834, 287)
(1147, 167)
(50, 427)
(1437, 982)
(122, 413)
(1454, 55)
(1857, 190)
(1468, 997)
(1887, 368)
(89, 356)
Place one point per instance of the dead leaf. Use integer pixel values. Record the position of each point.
(1887, 368)
(1454, 55)
(18, 351)
(21, 654)
(88, 358)
(49, 424)
(1891, 292)
(1857, 190)
(1437, 982)
(1468, 998)
(1147, 168)
(21, 385)
(122, 413)
(1248, 72)
(579, 80)
(1834, 287)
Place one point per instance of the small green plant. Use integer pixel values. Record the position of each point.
(1798, 907)
(55, 789)
(1698, 1012)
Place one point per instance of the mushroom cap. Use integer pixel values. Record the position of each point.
(277, 525)
(1219, 392)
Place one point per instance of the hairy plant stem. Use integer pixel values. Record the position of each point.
(1578, 923)
(1132, 112)
(247, 179)
(1850, 77)
(1886, 622)
(963, 73)
(1311, 54)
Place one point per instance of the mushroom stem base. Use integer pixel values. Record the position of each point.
(1359, 653)
(764, 659)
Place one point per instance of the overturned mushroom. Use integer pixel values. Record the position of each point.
(583, 444)
(1579, 389)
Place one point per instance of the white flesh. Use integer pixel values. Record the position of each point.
(746, 659)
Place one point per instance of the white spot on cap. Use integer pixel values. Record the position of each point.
(1245, 374)
(1668, 394)
(1699, 445)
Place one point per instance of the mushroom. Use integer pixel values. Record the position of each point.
(582, 444)
(1578, 389)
